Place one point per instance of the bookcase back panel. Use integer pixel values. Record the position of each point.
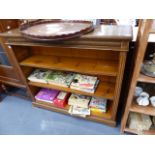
(22, 52)
(76, 52)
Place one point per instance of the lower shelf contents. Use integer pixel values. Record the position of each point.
(74, 104)
(105, 118)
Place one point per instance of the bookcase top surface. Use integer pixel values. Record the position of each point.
(102, 32)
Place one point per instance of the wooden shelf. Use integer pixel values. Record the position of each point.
(104, 89)
(105, 118)
(145, 132)
(148, 110)
(147, 79)
(89, 66)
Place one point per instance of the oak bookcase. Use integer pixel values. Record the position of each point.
(145, 29)
(101, 53)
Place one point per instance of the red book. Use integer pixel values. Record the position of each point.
(62, 99)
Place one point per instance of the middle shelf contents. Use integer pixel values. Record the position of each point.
(97, 86)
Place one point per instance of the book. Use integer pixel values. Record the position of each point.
(85, 89)
(84, 81)
(100, 103)
(79, 100)
(97, 111)
(46, 95)
(39, 75)
(62, 99)
(78, 111)
(60, 78)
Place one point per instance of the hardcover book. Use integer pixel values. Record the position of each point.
(39, 75)
(47, 95)
(60, 78)
(84, 81)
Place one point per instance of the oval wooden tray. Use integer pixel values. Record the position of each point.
(55, 30)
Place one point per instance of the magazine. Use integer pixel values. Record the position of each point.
(85, 89)
(47, 95)
(39, 75)
(79, 100)
(84, 81)
(100, 103)
(60, 78)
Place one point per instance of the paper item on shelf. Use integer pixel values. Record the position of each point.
(98, 111)
(79, 100)
(47, 95)
(85, 89)
(60, 78)
(78, 111)
(61, 99)
(97, 102)
(39, 75)
(139, 122)
(84, 81)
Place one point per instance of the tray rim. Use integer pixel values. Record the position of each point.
(24, 26)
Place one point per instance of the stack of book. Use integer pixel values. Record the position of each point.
(39, 75)
(79, 105)
(46, 95)
(74, 81)
(84, 83)
(60, 78)
(98, 105)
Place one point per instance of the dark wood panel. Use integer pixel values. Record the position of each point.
(8, 24)
(7, 71)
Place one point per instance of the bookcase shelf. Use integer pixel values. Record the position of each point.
(90, 66)
(104, 89)
(145, 132)
(99, 118)
(148, 110)
(146, 79)
(101, 53)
